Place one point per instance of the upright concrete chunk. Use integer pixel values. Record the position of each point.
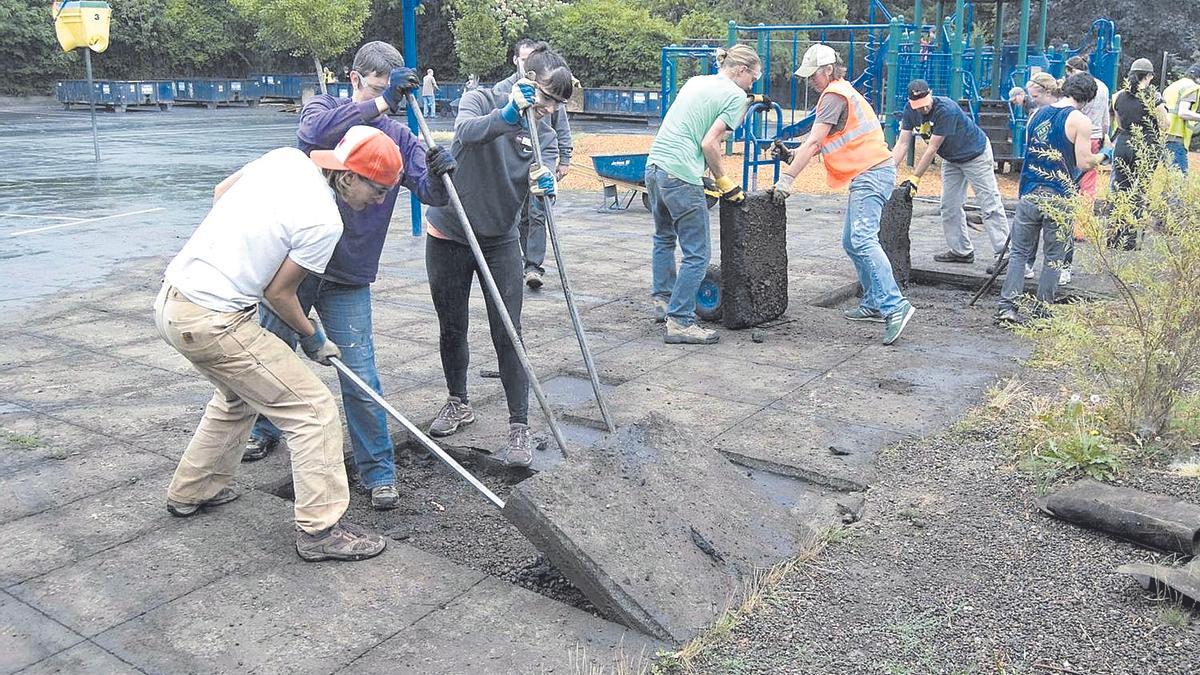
(754, 263)
(656, 528)
(894, 226)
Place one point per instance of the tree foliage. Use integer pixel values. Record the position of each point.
(29, 51)
(611, 42)
(478, 42)
(321, 28)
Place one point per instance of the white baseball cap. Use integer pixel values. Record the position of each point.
(817, 55)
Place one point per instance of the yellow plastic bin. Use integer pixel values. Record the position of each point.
(82, 23)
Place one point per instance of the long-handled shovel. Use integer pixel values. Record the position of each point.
(489, 285)
(997, 267)
(417, 433)
(531, 118)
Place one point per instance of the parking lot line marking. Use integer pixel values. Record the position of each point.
(85, 220)
(26, 215)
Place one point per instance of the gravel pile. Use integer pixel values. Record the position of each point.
(954, 570)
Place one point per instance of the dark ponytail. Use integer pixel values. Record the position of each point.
(552, 71)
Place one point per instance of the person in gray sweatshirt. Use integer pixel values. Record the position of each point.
(494, 179)
(532, 227)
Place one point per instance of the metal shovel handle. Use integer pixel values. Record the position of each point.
(417, 433)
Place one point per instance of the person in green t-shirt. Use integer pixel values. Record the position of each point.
(689, 140)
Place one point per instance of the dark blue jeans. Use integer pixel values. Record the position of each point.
(1177, 155)
(345, 312)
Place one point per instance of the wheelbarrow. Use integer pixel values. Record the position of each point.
(624, 177)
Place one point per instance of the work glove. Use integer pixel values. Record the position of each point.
(320, 349)
(541, 181)
(523, 95)
(710, 188)
(561, 170)
(400, 82)
(782, 189)
(730, 191)
(782, 153)
(911, 186)
(760, 98)
(1107, 154)
(439, 161)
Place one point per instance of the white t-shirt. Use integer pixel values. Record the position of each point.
(281, 206)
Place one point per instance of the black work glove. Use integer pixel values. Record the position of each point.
(782, 153)
(400, 82)
(439, 161)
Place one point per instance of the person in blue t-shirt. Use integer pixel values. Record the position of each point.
(342, 294)
(1058, 151)
(966, 156)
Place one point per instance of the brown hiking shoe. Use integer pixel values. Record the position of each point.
(343, 541)
(182, 510)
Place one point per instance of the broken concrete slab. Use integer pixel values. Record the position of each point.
(754, 262)
(894, 225)
(702, 373)
(511, 630)
(658, 530)
(1181, 582)
(27, 636)
(703, 415)
(1164, 523)
(330, 613)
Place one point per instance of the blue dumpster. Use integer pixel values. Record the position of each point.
(118, 95)
(622, 103)
(285, 86)
(214, 91)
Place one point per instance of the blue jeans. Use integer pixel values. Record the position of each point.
(869, 191)
(430, 107)
(680, 213)
(345, 312)
(1177, 155)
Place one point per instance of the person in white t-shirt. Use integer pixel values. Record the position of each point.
(272, 223)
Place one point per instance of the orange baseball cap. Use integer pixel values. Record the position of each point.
(365, 151)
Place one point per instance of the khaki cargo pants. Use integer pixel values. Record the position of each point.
(254, 373)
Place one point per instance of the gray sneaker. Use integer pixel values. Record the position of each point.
(182, 510)
(452, 416)
(678, 334)
(517, 452)
(256, 448)
(896, 321)
(660, 310)
(384, 498)
(343, 541)
(533, 279)
(861, 313)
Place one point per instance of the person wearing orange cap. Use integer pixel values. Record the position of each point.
(272, 224)
(848, 137)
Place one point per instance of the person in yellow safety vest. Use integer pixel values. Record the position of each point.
(330, 78)
(849, 138)
(1183, 114)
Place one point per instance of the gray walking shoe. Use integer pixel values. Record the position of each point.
(533, 279)
(343, 541)
(517, 452)
(182, 510)
(861, 313)
(453, 415)
(678, 334)
(660, 310)
(256, 449)
(896, 321)
(384, 498)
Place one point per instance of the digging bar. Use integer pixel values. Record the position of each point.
(417, 433)
(531, 118)
(996, 269)
(489, 284)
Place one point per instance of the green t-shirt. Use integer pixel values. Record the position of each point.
(702, 100)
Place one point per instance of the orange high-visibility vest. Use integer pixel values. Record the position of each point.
(857, 147)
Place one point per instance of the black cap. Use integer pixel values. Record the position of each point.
(917, 89)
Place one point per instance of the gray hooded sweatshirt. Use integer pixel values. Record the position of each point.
(492, 178)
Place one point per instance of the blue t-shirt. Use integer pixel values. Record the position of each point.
(963, 139)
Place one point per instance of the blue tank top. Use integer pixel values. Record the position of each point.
(1048, 135)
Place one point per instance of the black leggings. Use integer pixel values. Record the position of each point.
(451, 268)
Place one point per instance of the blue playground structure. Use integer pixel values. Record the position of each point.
(887, 52)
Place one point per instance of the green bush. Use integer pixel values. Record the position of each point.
(30, 52)
(610, 42)
(478, 43)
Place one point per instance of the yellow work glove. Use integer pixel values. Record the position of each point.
(730, 191)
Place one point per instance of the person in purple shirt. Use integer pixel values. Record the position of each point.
(342, 295)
